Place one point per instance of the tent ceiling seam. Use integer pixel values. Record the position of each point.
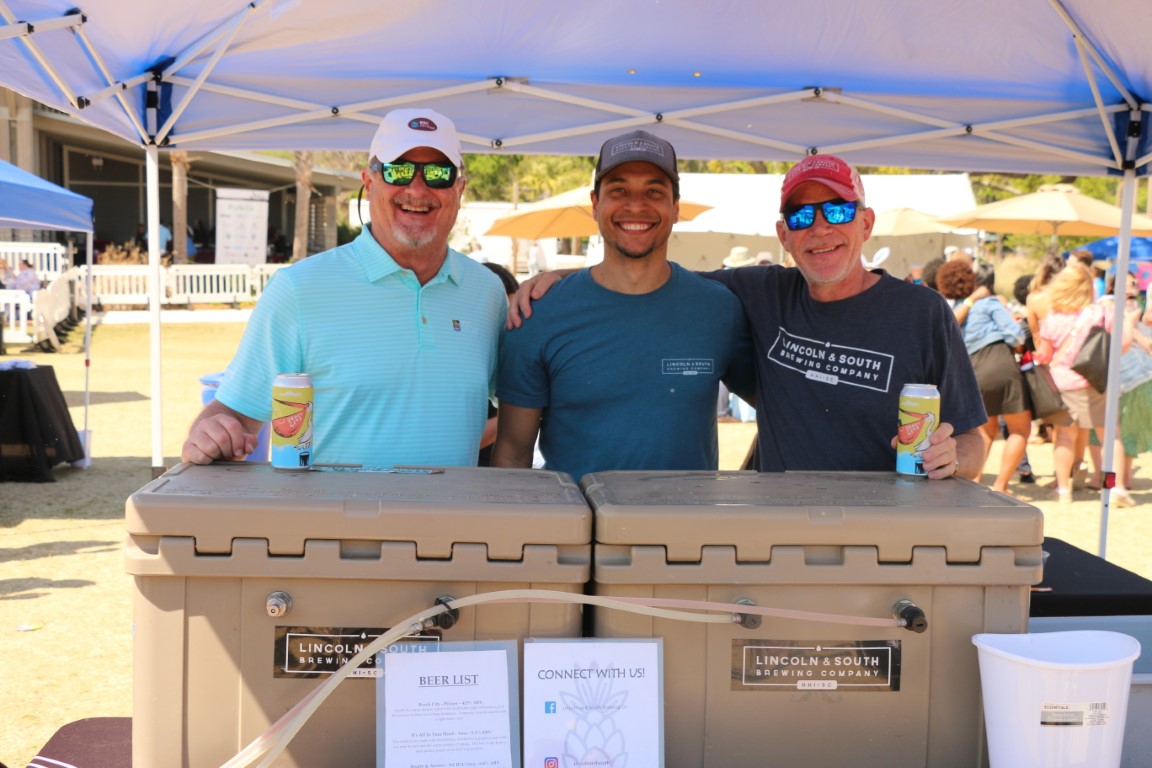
(236, 25)
(226, 28)
(1083, 39)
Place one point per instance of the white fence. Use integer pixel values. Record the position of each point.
(125, 285)
(50, 259)
(182, 284)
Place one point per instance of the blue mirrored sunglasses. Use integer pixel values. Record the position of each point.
(436, 175)
(804, 216)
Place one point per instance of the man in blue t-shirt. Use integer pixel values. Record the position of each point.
(622, 366)
(835, 341)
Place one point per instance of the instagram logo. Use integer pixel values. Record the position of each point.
(551, 762)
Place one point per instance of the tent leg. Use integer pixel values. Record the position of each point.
(155, 293)
(1112, 397)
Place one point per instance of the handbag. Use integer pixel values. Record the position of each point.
(1042, 391)
(1091, 359)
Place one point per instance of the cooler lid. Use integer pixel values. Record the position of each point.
(503, 508)
(684, 511)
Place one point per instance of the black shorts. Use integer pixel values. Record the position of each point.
(998, 375)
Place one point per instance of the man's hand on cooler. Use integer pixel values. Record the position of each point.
(217, 437)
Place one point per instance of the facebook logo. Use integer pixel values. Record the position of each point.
(549, 707)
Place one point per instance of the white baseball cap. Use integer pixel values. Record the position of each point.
(402, 130)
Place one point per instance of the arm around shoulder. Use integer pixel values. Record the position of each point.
(520, 307)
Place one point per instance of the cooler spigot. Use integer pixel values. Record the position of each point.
(448, 618)
(747, 620)
(277, 604)
(910, 615)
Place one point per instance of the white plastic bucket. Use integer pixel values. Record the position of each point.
(1056, 699)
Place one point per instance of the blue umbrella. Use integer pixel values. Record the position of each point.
(1140, 250)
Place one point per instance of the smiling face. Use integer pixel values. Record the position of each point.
(828, 255)
(635, 208)
(412, 223)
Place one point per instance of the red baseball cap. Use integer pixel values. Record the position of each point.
(828, 170)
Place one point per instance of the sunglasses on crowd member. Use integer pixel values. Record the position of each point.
(437, 175)
(803, 216)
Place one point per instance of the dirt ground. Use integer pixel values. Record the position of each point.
(65, 600)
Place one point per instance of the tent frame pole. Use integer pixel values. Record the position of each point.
(155, 294)
(1119, 305)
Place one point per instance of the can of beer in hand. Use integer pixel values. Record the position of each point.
(292, 421)
(919, 416)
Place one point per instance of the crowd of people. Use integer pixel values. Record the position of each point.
(1046, 323)
(620, 365)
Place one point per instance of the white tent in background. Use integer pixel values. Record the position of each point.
(1037, 86)
(745, 206)
(29, 202)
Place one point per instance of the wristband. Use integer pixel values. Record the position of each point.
(968, 302)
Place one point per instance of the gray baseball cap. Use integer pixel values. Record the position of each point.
(637, 147)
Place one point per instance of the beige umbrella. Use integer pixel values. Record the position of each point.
(568, 214)
(1057, 209)
(897, 222)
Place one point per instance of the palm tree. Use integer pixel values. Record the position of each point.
(303, 205)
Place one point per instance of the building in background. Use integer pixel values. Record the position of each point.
(97, 164)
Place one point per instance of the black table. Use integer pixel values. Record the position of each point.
(96, 742)
(1078, 583)
(36, 430)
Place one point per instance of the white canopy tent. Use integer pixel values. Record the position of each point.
(29, 202)
(1031, 86)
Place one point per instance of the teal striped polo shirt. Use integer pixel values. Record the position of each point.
(402, 372)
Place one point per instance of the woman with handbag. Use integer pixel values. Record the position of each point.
(1134, 434)
(1036, 307)
(1062, 333)
(991, 336)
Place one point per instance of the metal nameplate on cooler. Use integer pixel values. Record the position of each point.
(805, 665)
(312, 652)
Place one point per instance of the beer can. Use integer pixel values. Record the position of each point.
(919, 417)
(292, 421)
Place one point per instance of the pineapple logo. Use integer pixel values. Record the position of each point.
(593, 737)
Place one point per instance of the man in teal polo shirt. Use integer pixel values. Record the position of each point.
(398, 332)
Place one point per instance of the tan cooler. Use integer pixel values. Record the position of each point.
(800, 692)
(354, 552)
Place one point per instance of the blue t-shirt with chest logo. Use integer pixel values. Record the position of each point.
(627, 381)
